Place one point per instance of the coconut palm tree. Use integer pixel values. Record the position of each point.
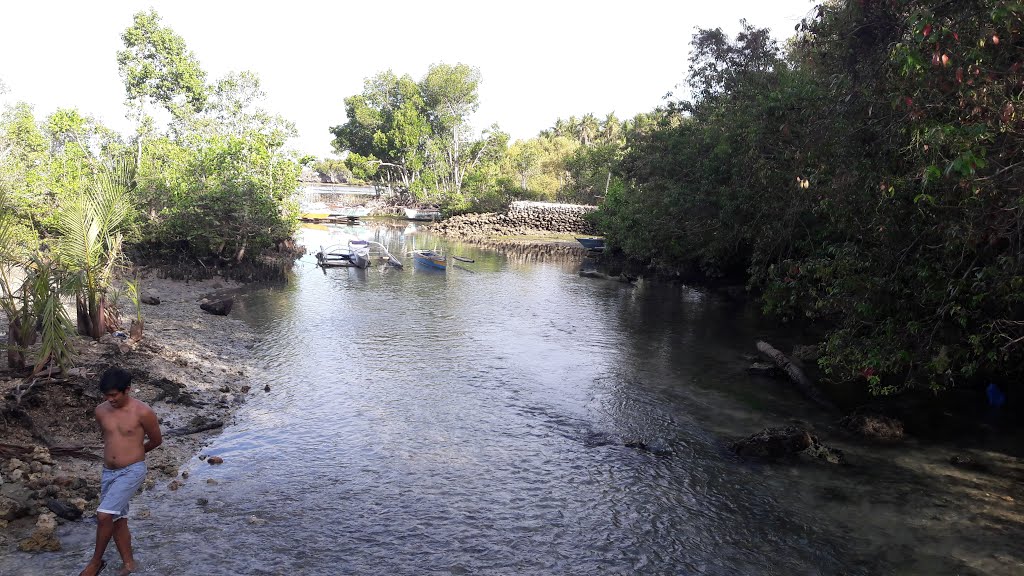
(91, 227)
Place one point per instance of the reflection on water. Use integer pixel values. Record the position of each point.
(487, 420)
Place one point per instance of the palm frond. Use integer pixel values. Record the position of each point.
(44, 283)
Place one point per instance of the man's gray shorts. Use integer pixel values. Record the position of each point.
(118, 486)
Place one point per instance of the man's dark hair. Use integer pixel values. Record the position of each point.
(115, 379)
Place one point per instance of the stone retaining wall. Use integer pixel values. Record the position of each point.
(521, 218)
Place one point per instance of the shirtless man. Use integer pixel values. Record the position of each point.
(130, 430)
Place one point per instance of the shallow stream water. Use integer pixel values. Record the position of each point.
(493, 419)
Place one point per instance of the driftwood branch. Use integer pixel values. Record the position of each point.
(84, 452)
(187, 430)
(803, 383)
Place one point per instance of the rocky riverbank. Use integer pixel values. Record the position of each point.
(190, 366)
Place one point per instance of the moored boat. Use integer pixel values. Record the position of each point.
(433, 259)
(359, 253)
(422, 213)
(595, 244)
(355, 254)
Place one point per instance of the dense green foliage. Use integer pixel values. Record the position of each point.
(211, 183)
(868, 177)
(412, 138)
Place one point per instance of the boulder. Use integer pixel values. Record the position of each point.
(150, 300)
(774, 443)
(11, 509)
(219, 308)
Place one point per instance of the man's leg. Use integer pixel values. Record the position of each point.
(104, 530)
(123, 541)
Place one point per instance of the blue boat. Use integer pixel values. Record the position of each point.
(595, 244)
(434, 259)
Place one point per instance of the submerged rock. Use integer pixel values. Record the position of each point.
(787, 442)
(655, 446)
(773, 443)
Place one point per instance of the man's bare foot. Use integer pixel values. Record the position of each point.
(92, 568)
(126, 570)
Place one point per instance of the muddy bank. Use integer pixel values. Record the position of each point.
(191, 367)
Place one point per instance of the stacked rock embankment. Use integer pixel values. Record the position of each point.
(521, 219)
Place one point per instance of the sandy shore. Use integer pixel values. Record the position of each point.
(191, 367)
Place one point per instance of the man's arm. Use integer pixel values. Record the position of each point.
(152, 429)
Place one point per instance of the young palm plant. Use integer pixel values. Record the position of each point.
(91, 226)
(30, 294)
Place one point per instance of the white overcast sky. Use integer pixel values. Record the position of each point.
(539, 60)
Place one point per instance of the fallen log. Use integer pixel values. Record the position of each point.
(796, 375)
(187, 430)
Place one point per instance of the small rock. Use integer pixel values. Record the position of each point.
(17, 474)
(266, 388)
(212, 481)
(174, 485)
(215, 460)
(256, 521)
(64, 509)
(762, 369)
(245, 389)
(225, 388)
(968, 462)
(151, 300)
(184, 474)
(202, 501)
(41, 455)
(43, 539)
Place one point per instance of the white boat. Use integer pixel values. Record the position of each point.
(422, 213)
(355, 254)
